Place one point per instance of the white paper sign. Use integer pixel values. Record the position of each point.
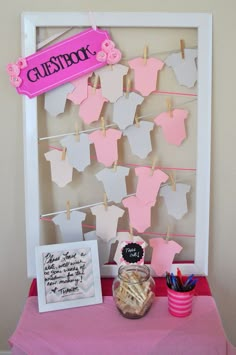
(68, 275)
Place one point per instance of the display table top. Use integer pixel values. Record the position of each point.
(100, 329)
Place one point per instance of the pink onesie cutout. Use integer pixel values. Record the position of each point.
(163, 255)
(90, 109)
(148, 185)
(80, 91)
(106, 145)
(173, 127)
(139, 213)
(145, 74)
(61, 170)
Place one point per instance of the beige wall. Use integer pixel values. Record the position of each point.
(222, 274)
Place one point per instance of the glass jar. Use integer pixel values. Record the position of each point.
(133, 290)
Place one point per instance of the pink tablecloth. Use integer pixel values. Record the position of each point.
(101, 330)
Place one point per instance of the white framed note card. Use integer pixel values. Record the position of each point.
(68, 275)
(189, 158)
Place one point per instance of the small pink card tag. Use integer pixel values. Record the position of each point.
(59, 63)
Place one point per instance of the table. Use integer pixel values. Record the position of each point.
(101, 330)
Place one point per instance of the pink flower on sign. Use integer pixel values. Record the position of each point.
(21, 63)
(114, 56)
(101, 56)
(15, 80)
(108, 45)
(109, 53)
(13, 69)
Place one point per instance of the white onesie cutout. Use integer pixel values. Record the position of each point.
(61, 170)
(104, 247)
(124, 109)
(107, 220)
(139, 138)
(78, 151)
(185, 69)
(114, 182)
(55, 100)
(71, 229)
(176, 201)
(111, 78)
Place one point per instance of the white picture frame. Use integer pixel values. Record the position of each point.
(200, 21)
(68, 275)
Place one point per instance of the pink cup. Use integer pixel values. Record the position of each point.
(180, 303)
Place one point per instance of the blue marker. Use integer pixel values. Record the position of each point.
(189, 279)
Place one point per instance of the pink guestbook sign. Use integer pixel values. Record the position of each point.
(60, 63)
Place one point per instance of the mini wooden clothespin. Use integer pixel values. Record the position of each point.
(95, 83)
(128, 85)
(168, 233)
(154, 161)
(68, 210)
(76, 131)
(145, 54)
(63, 153)
(182, 46)
(115, 166)
(172, 179)
(136, 119)
(105, 201)
(131, 232)
(169, 106)
(103, 126)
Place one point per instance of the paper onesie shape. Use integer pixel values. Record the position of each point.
(107, 220)
(90, 109)
(114, 182)
(55, 100)
(163, 255)
(173, 127)
(139, 138)
(139, 213)
(112, 75)
(106, 145)
(176, 201)
(61, 170)
(80, 92)
(124, 109)
(78, 152)
(148, 185)
(124, 237)
(104, 247)
(185, 69)
(71, 229)
(145, 74)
